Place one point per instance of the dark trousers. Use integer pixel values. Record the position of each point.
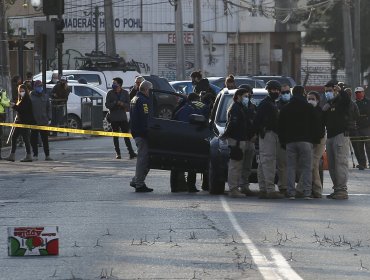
(35, 141)
(124, 127)
(25, 133)
(363, 146)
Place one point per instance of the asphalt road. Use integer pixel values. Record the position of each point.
(107, 231)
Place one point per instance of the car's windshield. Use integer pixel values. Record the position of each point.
(225, 103)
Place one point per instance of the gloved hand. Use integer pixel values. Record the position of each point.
(326, 107)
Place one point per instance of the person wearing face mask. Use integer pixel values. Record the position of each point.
(59, 99)
(284, 99)
(118, 103)
(266, 124)
(4, 103)
(54, 79)
(337, 145)
(42, 114)
(363, 104)
(297, 132)
(239, 133)
(313, 98)
(24, 115)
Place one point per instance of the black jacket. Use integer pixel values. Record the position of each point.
(239, 125)
(118, 112)
(336, 116)
(24, 111)
(319, 124)
(364, 108)
(267, 116)
(297, 122)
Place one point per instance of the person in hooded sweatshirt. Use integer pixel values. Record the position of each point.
(24, 115)
(42, 114)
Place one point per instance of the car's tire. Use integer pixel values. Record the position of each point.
(215, 180)
(165, 112)
(74, 122)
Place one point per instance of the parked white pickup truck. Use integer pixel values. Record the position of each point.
(100, 79)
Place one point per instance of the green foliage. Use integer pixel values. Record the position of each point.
(326, 30)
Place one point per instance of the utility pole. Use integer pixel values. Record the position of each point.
(357, 43)
(109, 28)
(60, 45)
(198, 57)
(348, 43)
(4, 50)
(96, 29)
(180, 55)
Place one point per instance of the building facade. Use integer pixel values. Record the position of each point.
(236, 37)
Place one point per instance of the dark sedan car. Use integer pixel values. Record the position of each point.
(281, 79)
(186, 87)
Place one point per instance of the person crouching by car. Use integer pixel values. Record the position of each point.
(42, 114)
(192, 106)
(239, 133)
(118, 103)
(24, 115)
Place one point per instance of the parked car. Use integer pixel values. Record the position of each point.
(219, 150)
(281, 79)
(239, 80)
(186, 87)
(100, 79)
(79, 91)
(173, 144)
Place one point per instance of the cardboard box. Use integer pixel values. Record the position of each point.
(33, 241)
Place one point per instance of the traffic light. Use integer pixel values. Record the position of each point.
(59, 26)
(53, 7)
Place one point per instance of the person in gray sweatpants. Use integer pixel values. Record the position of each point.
(297, 133)
(337, 144)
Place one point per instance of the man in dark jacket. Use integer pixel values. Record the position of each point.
(297, 133)
(135, 88)
(42, 113)
(139, 112)
(266, 124)
(240, 133)
(337, 144)
(203, 89)
(363, 104)
(192, 106)
(59, 99)
(118, 103)
(284, 99)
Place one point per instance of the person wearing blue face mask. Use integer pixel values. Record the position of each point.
(337, 145)
(240, 135)
(285, 96)
(42, 114)
(118, 103)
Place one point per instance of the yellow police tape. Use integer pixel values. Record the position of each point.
(68, 130)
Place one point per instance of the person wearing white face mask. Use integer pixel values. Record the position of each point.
(313, 98)
(240, 135)
(337, 145)
(285, 96)
(23, 108)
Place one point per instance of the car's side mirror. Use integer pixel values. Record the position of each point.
(197, 119)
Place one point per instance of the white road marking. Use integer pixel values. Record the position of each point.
(275, 270)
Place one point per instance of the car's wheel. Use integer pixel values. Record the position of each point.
(74, 122)
(165, 112)
(216, 181)
(177, 181)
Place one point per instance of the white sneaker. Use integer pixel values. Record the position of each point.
(235, 193)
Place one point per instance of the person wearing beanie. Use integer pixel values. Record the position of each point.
(42, 114)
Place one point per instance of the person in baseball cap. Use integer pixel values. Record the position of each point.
(363, 124)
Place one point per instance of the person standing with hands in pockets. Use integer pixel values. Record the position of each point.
(118, 103)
